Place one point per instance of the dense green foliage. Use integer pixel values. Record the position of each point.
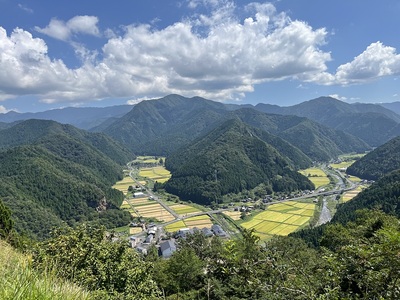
(230, 159)
(358, 262)
(89, 257)
(62, 174)
(378, 162)
(372, 123)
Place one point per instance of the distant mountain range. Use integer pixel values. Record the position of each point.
(373, 123)
(81, 117)
(394, 106)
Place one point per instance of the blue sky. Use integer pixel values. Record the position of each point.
(100, 53)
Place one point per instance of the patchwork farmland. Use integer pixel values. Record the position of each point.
(143, 207)
(280, 219)
(158, 173)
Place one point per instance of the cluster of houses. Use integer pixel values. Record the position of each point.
(166, 247)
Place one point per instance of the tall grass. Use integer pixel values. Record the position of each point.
(18, 280)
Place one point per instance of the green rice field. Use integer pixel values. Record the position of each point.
(183, 209)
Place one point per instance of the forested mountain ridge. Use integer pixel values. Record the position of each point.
(318, 142)
(53, 173)
(372, 123)
(40, 131)
(379, 162)
(229, 159)
(151, 125)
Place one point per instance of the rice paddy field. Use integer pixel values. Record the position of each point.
(281, 219)
(197, 221)
(234, 215)
(343, 164)
(146, 208)
(354, 178)
(124, 184)
(183, 209)
(351, 194)
(317, 176)
(158, 173)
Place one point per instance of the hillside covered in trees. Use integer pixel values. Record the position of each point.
(378, 162)
(231, 158)
(53, 174)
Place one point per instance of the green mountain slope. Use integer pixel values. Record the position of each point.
(59, 176)
(162, 126)
(229, 159)
(315, 140)
(379, 162)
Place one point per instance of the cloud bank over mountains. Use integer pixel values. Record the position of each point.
(219, 55)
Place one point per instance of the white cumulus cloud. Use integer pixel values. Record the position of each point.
(61, 30)
(217, 56)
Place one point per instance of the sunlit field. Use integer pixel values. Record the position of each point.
(158, 173)
(124, 184)
(281, 219)
(197, 221)
(317, 176)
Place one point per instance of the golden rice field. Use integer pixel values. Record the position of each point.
(234, 215)
(148, 209)
(124, 184)
(158, 173)
(197, 221)
(183, 209)
(281, 219)
(351, 194)
(317, 176)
